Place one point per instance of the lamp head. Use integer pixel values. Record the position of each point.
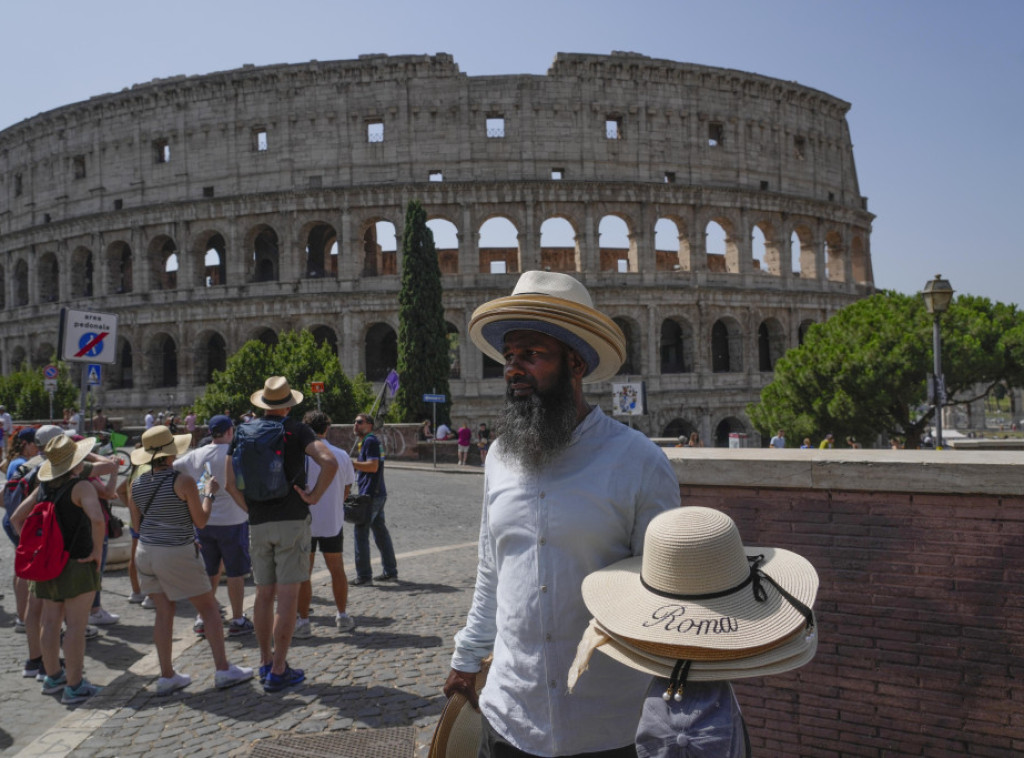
(938, 294)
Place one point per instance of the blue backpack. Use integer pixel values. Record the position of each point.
(258, 460)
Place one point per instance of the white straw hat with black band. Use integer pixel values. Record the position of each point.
(276, 393)
(62, 455)
(158, 442)
(557, 305)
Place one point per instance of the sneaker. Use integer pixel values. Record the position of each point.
(344, 622)
(136, 597)
(54, 684)
(360, 582)
(277, 682)
(41, 674)
(91, 631)
(386, 578)
(199, 627)
(79, 694)
(240, 627)
(303, 629)
(265, 669)
(232, 676)
(103, 617)
(32, 667)
(165, 685)
(147, 602)
(19, 626)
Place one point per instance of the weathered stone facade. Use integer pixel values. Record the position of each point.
(209, 210)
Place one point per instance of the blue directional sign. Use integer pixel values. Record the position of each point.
(435, 398)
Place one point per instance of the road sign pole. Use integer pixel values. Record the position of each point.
(84, 382)
(433, 442)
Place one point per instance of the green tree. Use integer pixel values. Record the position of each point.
(864, 371)
(297, 356)
(423, 360)
(24, 393)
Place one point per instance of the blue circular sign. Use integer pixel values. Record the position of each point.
(89, 338)
(50, 372)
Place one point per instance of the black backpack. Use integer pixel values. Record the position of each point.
(258, 460)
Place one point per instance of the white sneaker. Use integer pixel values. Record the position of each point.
(147, 602)
(232, 676)
(136, 597)
(165, 685)
(344, 622)
(303, 629)
(91, 631)
(103, 617)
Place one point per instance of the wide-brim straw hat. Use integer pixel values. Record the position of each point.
(557, 305)
(698, 594)
(457, 734)
(275, 394)
(62, 455)
(158, 442)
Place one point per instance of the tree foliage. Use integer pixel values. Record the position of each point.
(423, 362)
(296, 356)
(864, 371)
(25, 395)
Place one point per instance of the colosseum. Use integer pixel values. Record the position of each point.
(715, 214)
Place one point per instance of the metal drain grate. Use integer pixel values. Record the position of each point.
(396, 742)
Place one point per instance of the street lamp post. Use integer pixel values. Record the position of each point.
(938, 294)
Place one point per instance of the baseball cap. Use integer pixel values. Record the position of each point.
(219, 424)
(46, 433)
(28, 434)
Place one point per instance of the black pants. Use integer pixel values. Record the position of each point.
(493, 745)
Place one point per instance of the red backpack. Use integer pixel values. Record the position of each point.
(41, 555)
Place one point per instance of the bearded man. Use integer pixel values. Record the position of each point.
(568, 490)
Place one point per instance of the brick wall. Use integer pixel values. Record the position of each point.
(920, 613)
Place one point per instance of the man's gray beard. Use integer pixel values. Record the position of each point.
(535, 430)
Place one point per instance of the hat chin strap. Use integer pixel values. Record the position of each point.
(754, 579)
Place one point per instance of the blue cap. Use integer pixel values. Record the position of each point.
(28, 434)
(219, 424)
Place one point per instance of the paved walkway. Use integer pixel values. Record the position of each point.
(387, 673)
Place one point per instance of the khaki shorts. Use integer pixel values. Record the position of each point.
(280, 551)
(177, 571)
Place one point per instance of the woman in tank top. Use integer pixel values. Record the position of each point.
(166, 508)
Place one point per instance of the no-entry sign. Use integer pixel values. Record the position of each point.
(88, 337)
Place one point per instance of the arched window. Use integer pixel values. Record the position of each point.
(616, 248)
(266, 256)
(671, 247)
(212, 355)
(675, 347)
(679, 428)
(214, 252)
(499, 246)
(558, 247)
(446, 244)
(771, 344)
(119, 376)
(20, 283)
(321, 252)
(81, 273)
(632, 364)
(381, 351)
(726, 347)
(380, 249)
(163, 361)
(119, 268)
(324, 334)
(267, 336)
(49, 278)
(726, 427)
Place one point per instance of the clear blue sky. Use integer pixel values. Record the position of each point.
(937, 86)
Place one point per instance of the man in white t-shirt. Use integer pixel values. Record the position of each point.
(149, 420)
(328, 530)
(225, 538)
(444, 432)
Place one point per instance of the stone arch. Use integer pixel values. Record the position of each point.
(380, 247)
(446, 243)
(48, 278)
(723, 255)
(860, 261)
(559, 244)
(120, 373)
(634, 359)
(264, 334)
(805, 325)
(20, 283)
(211, 249)
(765, 247)
(675, 346)
(325, 334)
(495, 253)
(725, 427)
(617, 244)
(380, 351)
(19, 358)
(43, 354)
(835, 257)
(679, 428)
(266, 254)
(726, 346)
(161, 361)
(82, 273)
(320, 241)
(119, 267)
(804, 258)
(454, 351)
(671, 244)
(771, 344)
(163, 263)
(210, 354)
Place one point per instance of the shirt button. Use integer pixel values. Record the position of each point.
(543, 540)
(543, 588)
(542, 495)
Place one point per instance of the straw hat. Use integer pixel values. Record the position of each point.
(458, 731)
(62, 455)
(698, 593)
(275, 394)
(158, 442)
(559, 306)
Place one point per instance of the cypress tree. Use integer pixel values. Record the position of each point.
(423, 361)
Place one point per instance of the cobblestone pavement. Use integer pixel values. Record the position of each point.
(386, 673)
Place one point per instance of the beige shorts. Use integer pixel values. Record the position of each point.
(176, 571)
(280, 551)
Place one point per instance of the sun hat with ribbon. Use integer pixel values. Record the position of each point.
(557, 305)
(158, 442)
(457, 734)
(62, 455)
(275, 394)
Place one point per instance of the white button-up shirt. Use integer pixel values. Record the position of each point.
(540, 535)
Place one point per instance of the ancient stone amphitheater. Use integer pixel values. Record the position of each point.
(715, 214)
